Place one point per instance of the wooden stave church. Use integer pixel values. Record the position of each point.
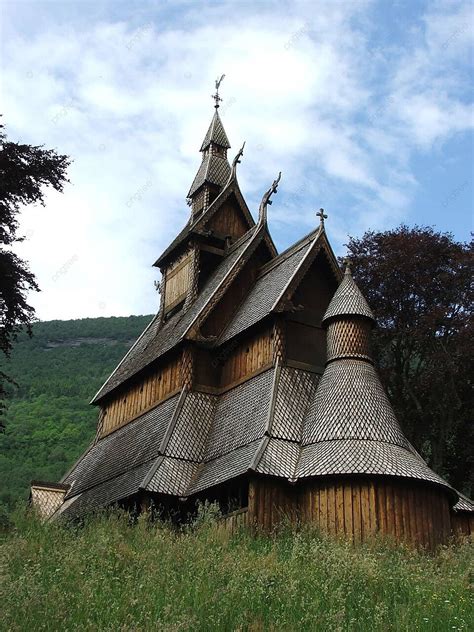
(230, 395)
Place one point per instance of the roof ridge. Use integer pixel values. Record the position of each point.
(291, 250)
(238, 242)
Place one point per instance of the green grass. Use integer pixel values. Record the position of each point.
(109, 575)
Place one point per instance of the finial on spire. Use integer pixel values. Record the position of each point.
(216, 96)
(347, 263)
(262, 211)
(322, 216)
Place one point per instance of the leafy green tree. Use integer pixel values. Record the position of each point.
(419, 284)
(25, 171)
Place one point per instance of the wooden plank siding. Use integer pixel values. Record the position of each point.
(271, 502)
(462, 523)
(177, 279)
(228, 220)
(247, 358)
(138, 397)
(234, 521)
(356, 509)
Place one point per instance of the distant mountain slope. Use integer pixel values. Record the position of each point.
(49, 421)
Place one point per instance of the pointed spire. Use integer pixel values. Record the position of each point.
(215, 134)
(348, 301)
(262, 211)
(215, 169)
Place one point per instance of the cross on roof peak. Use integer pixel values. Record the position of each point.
(322, 216)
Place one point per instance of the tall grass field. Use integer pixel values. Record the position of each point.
(109, 574)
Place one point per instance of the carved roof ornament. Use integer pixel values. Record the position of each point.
(262, 211)
(322, 216)
(216, 96)
(237, 160)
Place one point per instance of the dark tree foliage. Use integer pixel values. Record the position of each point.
(419, 284)
(25, 171)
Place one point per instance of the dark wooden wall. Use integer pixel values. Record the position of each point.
(233, 297)
(462, 523)
(306, 340)
(355, 508)
(271, 502)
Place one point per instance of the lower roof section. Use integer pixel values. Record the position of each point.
(123, 450)
(363, 457)
(103, 494)
(195, 441)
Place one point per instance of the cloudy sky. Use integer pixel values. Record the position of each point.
(364, 106)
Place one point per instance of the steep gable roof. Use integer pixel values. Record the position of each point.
(276, 280)
(158, 339)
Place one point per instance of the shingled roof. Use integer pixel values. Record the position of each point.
(271, 282)
(214, 169)
(198, 225)
(215, 134)
(348, 301)
(464, 504)
(191, 441)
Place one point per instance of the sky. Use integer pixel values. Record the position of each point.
(365, 107)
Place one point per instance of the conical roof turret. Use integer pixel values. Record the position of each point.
(348, 301)
(351, 427)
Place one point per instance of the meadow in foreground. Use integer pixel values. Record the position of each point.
(110, 575)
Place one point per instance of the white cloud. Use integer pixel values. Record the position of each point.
(128, 100)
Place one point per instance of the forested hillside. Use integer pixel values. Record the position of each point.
(49, 421)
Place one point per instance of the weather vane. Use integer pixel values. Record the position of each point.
(216, 96)
(322, 216)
